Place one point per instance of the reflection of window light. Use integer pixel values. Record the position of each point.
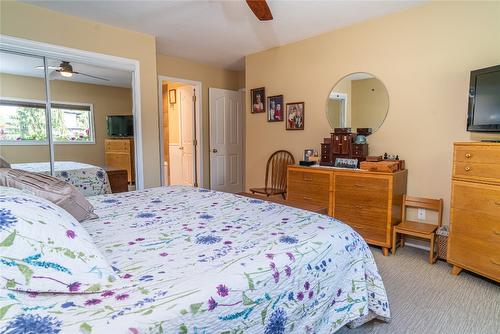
(25, 122)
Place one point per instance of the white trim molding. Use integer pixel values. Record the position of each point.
(39, 49)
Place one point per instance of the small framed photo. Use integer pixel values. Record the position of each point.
(258, 97)
(308, 153)
(172, 96)
(346, 163)
(295, 116)
(275, 108)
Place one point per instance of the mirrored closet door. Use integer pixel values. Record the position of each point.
(89, 142)
(24, 135)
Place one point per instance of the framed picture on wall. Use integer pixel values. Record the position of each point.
(172, 93)
(295, 116)
(258, 97)
(275, 108)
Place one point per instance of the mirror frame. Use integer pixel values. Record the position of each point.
(347, 75)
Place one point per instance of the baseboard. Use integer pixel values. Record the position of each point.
(427, 248)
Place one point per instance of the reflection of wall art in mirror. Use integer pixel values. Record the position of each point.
(295, 116)
(358, 100)
(258, 97)
(275, 108)
(346, 163)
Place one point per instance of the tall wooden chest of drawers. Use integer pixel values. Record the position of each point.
(119, 153)
(474, 241)
(369, 202)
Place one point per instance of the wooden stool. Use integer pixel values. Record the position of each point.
(425, 230)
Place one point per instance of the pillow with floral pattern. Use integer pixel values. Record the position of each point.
(45, 249)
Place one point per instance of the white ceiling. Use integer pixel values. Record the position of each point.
(221, 33)
(27, 66)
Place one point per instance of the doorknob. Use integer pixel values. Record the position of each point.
(214, 150)
(181, 148)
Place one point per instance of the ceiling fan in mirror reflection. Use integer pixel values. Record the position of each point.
(65, 69)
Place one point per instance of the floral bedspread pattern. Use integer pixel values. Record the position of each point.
(199, 261)
(90, 180)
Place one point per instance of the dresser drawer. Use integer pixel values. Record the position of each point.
(310, 187)
(486, 154)
(483, 198)
(118, 145)
(469, 170)
(476, 225)
(358, 191)
(475, 254)
(369, 222)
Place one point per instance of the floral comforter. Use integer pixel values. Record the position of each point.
(200, 261)
(90, 180)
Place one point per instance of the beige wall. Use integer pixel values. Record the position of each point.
(423, 56)
(209, 76)
(105, 100)
(42, 25)
(369, 103)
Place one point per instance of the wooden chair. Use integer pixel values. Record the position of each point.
(423, 230)
(276, 171)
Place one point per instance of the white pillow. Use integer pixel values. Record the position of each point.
(44, 249)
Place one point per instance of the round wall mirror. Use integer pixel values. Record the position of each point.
(358, 100)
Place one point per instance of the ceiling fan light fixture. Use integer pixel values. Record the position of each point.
(66, 74)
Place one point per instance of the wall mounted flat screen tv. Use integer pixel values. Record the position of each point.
(484, 100)
(120, 125)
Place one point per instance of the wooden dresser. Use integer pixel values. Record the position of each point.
(120, 154)
(370, 202)
(474, 241)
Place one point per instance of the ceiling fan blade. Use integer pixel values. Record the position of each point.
(91, 76)
(260, 9)
(49, 67)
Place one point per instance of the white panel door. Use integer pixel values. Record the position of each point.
(226, 140)
(175, 164)
(187, 125)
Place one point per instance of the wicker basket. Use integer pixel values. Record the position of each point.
(442, 242)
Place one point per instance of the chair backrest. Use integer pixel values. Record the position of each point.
(423, 203)
(276, 169)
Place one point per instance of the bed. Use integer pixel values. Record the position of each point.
(200, 261)
(88, 179)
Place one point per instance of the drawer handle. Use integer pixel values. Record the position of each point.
(358, 206)
(468, 155)
(467, 169)
(496, 232)
(358, 185)
(308, 178)
(494, 262)
(307, 198)
(497, 203)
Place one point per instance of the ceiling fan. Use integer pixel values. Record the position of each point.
(260, 9)
(66, 70)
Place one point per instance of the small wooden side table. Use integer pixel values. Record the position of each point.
(118, 179)
(277, 199)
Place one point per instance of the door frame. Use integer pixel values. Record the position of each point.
(36, 48)
(199, 126)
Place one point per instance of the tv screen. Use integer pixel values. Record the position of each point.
(484, 100)
(120, 126)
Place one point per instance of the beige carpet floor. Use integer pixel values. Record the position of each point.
(427, 299)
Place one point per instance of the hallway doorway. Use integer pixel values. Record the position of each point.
(180, 117)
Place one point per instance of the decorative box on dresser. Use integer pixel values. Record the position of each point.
(474, 241)
(370, 202)
(119, 153)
